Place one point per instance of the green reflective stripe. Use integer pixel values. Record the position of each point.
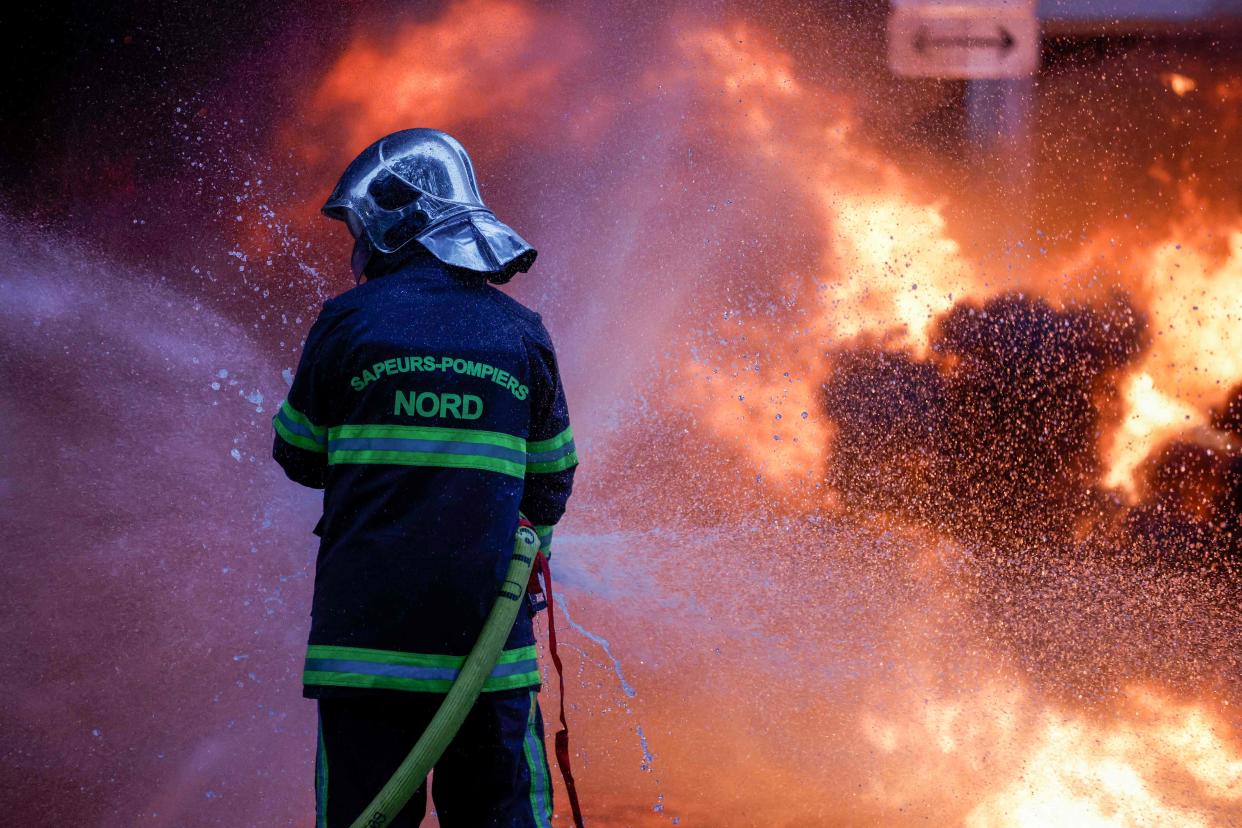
(554, 455)
(321, 780)
(493, 683)
(380, 682)
(456, 435)
(539, 446)
(414, 458)
(568, 461)
(298, 417)
(319, 655)
(451, 448)
(297, 439)
(411, 659)
(537, 766)
(296, 429)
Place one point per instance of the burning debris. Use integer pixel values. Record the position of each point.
(995, 437)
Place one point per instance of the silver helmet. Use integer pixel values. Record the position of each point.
(419, 185)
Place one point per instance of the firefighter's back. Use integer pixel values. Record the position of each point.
(429, 382)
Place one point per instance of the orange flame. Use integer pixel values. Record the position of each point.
(480, 59)
(1179, 84)
(1193, 296)
(1165, 762)
(1076, 772)
(889, 268)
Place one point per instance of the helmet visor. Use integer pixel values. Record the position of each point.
(354, 222)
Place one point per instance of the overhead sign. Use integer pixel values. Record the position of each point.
(964, 40)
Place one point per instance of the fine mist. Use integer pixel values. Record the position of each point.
(157, 565)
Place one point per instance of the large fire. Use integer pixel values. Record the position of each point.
(886, 270)
(889, 269)
(912, 462)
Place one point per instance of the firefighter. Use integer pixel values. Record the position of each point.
(428, 406)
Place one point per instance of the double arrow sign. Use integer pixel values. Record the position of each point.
(973, 40)
(926, 40)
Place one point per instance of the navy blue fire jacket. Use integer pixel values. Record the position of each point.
(430, 410)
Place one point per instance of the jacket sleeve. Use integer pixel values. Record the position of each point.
(551, 456)
(301, 422)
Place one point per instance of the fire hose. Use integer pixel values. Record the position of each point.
(413, 770)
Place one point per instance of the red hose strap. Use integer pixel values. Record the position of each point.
(562, 735)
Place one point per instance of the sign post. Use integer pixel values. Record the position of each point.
(994, 46)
